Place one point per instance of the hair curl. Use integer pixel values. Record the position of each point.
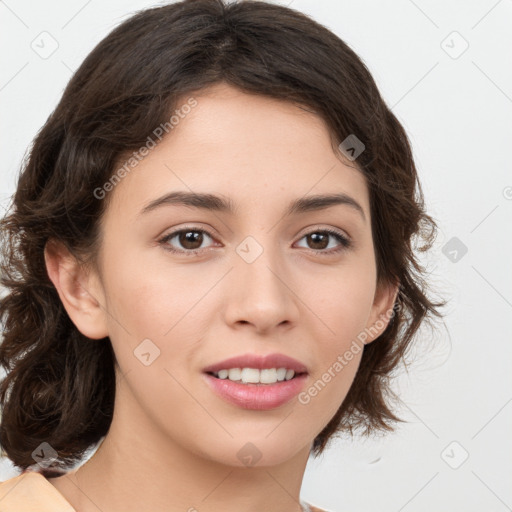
(60, 386)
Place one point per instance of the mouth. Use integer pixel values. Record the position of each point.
(256, 376)
(255, 381)
(237, 389)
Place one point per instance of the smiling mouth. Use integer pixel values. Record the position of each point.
(256, 389)
(254, 376)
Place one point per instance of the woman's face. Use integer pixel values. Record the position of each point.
(256, 280)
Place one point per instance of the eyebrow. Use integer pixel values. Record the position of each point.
(221, 204)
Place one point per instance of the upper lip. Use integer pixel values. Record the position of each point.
(259, 362)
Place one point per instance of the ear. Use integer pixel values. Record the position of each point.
(79, 290)
(382, 310)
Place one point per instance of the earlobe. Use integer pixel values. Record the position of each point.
(382, 311)
(79, 290)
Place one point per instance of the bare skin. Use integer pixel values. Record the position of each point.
(173, 443)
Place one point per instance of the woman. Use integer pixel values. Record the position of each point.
(209, 267)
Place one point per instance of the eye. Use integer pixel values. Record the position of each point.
(190, 240)
(320, 241)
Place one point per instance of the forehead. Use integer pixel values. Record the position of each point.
(245, 146)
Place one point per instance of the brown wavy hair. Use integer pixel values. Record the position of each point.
(59, 385)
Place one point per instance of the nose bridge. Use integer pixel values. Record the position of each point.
(261, 294)
(259, 265)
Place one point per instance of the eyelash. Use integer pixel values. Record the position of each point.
(345, 243)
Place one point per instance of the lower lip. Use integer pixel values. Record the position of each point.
(256, 396)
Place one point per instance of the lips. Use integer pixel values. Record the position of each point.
(257, 396)
(259, 362)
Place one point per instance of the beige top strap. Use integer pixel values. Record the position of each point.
(31, 492)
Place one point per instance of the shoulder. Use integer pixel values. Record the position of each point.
(31, 491)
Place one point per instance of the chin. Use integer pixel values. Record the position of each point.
(256, 451)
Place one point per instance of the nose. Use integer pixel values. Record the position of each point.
(261, 294)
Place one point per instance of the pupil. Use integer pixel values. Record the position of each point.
(323, 244)
(191, 237)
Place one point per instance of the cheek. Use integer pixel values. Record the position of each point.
(341, 309)
(161, 316)
(328, 388)
(342, 305)
(153, 301)
(329, 384)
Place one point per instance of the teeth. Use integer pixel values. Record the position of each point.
(256, 376)
(223, 374)
(289, 374)
(251, 375)
(268, 376)
(281, 373)
(235, 374)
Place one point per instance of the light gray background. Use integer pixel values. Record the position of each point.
(457, 109)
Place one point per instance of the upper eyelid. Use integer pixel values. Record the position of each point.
(208, 231)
